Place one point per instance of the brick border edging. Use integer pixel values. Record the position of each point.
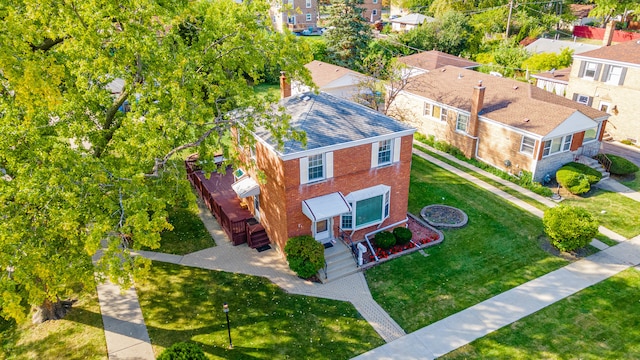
(465, 218)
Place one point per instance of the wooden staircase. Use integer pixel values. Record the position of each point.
(256, 235)
(340, 262)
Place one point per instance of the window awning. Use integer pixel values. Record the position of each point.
(326, 206)
(246, 187)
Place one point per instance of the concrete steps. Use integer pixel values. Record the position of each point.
(594, 164)
(340, 262)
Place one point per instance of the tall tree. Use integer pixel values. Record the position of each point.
(348, 34)
(78, 173)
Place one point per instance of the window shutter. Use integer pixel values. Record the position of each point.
(598, 70)
(605, 73)
(582, 66)
(397, 142)
(575, 96)
(590, 101)
(328, 158)
(374, 154)
(304, 170)
(622, 75)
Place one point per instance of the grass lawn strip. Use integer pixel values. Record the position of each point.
(185, 304)
(488, 180)
(599, 322)
(79, 335)
(619, 214)
(634, 183)
(496, 251)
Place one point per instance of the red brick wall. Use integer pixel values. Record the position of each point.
(281, 206)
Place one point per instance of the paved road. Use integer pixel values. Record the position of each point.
(631, 153)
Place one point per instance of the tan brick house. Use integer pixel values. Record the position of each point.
(511, 125)
(352, 176)
(608, 79)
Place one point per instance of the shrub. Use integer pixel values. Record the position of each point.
(569, 228)
(305, 255)
(183, 351)
(621, 166)
(385, 239)
(577, 178)
(627, 142)
(402, 234)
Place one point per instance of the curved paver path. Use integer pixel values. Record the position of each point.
(242, 259)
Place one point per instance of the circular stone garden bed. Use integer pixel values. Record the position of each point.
(444, 216)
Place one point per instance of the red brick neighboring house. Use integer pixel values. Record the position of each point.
(511, 125)
(352, 176)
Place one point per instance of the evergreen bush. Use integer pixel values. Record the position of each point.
(577, 178)
(385, 239)
(183, 351)
(402, 234)
(305, 255)
(569, 228)
(621, 166)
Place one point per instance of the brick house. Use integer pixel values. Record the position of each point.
(295, 15)
(371, 10)
(351, 178)
(608, 79)
(511, 125)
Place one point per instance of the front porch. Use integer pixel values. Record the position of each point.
(220, 198)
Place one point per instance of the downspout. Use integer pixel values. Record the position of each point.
(366, 236)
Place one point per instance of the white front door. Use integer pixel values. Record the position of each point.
(256, 207)
(323, 230)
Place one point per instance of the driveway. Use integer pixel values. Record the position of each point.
(629, 152)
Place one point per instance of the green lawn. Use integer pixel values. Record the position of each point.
(80, 335)
(599, 322)
(185, 304)
(498, 250)
(268, 91)
(632, 181)
(620, 213)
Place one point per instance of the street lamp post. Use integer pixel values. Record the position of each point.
(225, 308)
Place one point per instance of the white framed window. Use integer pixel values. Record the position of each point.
(308, 17)
(427, 109)
(557, 145)
(604, 107)
(308, 4)
(583, 99)
(316, 168)
(435, 111)
(370, 206)
(527, 145)
(291, 19)
(374, 11)
(375, 2)
(443, 114)
(590, 70)
(612, 75)
(384, 152)
(462, 122)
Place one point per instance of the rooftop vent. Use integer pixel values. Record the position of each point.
(460, 76)
(515, 87)
(526, 119)
(306, 98)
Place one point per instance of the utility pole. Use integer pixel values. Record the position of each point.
(509, 18)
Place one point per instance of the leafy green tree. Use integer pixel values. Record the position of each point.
(452, 33)
(548, 61)
(569, 228)
(77, 173)
(348, 34)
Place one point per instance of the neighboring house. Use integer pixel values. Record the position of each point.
(553, 81)
(408, 22)
(372, 10)
(295, 15)
(511, 125)
(556, 46)
(608, 79)
(426, 61)
(581, 12)
(335, 80)
(351, 177)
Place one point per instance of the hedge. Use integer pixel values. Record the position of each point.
(305, 255)
(621, 166)
(569, 228)
(577, 178)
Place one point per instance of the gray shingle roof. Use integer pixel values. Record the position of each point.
(329, 121)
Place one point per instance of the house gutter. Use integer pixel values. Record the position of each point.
(366, 236)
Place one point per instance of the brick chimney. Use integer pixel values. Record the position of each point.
(477, 101)
(285, 86)
(608, 33)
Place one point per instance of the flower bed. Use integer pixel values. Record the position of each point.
(444, 216)
(423, 236)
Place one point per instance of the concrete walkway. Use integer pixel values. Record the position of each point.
(612, 185)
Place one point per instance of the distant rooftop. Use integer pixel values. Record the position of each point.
(329, 121)
(324, 73)
(556, 46)
(559, 76)
(413, 19)
(431, 60)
